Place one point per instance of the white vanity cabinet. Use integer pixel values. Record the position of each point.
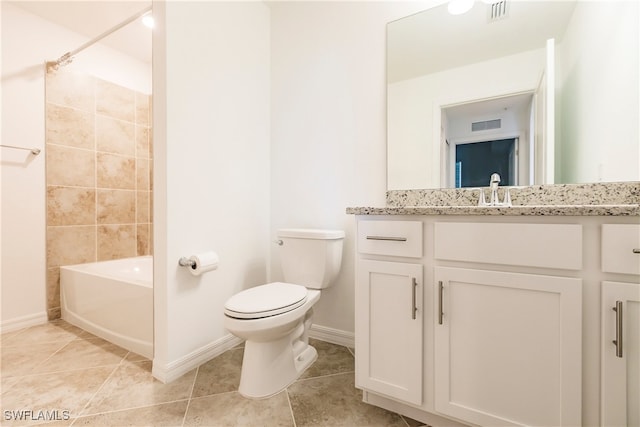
(620, 387)
(389, 314)
(508, 347)
(390, 325)
(515, 319)
(508, 344)
(620, 321)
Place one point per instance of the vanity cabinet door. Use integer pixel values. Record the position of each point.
(389, 325)
(620, 399)
(508, 347)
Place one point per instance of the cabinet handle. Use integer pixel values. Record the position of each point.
(618, 340)
(389, 238)
(440, 313)
(414, 309)
(636, 250)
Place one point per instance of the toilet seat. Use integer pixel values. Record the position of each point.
(265, 301)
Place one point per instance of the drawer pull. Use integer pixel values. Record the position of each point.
(392, 239)
(440, 313)
(618, 340)
(414, 309)
(636, 250)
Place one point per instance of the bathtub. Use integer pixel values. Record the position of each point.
(113, 300)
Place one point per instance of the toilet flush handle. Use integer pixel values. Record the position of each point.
(278, 242)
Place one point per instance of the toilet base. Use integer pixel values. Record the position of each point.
(270, 367)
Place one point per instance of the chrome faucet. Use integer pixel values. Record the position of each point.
(494, 182)
(493, 186)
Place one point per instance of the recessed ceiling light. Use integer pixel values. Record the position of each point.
(458, 7)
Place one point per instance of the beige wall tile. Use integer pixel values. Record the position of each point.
(53, 287)
(142, 206)
(70, 245)
(116, 206)
(70, 166)
(95, 131)
(150, 143)
(69, 126)
(143, 116)
(142, 142)
(142, 239)
(71, 206)
(54, 313)
(115, 101)
(71, 89)
(115, 171)
(116, 241)
(142, 175)
(115, 136)
(151, 176)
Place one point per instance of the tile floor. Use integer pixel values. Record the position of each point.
(59, 371)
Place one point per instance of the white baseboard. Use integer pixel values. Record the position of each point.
(334, 336)
(174, 370)
(23, 322)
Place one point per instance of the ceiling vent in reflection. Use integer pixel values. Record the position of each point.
(497, 10)
(486, 125)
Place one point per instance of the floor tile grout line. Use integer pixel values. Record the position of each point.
(111, 374)
(293, 416)
(32, 371)
(212, 395)
(59, 340)
(133, 408)
(325, 376)
(37, 374)
(193, 386)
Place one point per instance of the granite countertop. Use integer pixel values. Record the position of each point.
(531, 210)
(596, 199)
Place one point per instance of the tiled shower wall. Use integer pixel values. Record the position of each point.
(98, 172)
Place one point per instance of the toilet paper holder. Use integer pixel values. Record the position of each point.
(201, 263)
(186, 262)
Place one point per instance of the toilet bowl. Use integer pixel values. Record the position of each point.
(274, 319)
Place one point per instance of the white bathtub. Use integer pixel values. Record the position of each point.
(113, 300)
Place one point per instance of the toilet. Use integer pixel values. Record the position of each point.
(274, 319)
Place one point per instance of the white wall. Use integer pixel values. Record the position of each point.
(599, 122)
(211, 170)
(413, 111)
(328, 118)
(27, 42)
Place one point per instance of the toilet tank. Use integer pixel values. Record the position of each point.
(311, 257)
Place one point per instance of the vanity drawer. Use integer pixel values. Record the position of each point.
(394, 238)
(618, 244)
(528, 245)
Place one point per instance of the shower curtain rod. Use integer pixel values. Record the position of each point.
(68, 57)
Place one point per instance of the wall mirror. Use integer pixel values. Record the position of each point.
(540, 91)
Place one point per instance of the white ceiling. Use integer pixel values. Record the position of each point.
(92, 18)
(420, 45)
(434, 40)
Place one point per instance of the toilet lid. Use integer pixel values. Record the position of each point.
(265, 300)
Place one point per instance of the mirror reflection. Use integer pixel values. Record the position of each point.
(540, 92)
